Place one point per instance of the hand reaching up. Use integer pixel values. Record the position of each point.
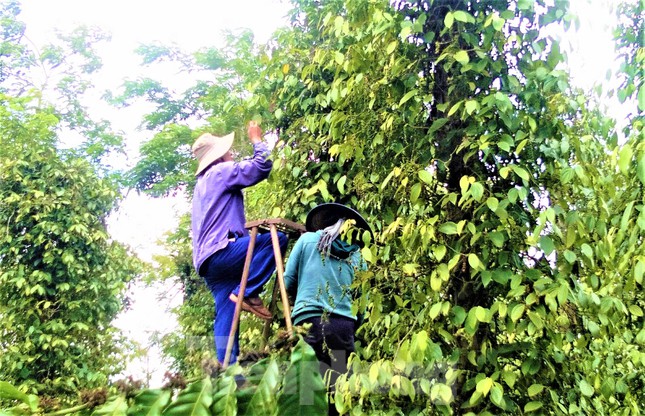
(255, 132)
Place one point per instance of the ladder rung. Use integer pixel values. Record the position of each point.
(282, 224)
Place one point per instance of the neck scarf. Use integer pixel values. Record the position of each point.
(330, 243)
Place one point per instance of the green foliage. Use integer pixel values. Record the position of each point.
(264, 379)
(193, 344)
(62, 279)
(194, 400)
(303, 392)
(29, 402)
(499, 211)
(507, 269)
(57, 74)
(167, 164)
(268, 389)
(150, 402)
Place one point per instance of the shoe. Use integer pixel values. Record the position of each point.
(255, 306)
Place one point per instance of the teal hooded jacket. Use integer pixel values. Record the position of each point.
(321, 284)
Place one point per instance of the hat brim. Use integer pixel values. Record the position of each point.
(324, 215)
(219, 149)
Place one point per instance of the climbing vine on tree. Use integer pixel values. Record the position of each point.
(509, 246)
(506, 273)
(62, 279)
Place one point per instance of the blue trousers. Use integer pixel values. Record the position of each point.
(223, 274)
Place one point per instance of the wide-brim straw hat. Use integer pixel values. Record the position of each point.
(208, 148)
(324, 215)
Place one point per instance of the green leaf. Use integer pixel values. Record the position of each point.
(224, 398)
(474, 262)
(639, 271)
(509, 378)
(546, 244)
(458, 315)
(408, 95)
(462, 57)
(497, 238)
(492, 203)
(522, 173)
(410, 269)
(477, 190)
(486, 277)
(570, 256)
(117, 406)
(471, 324)
(339, 57)
(415, 191)
(367, 254)
(150, 402)
(341, 184)
(462, 16)
(535, 389)
(593, 328)
(448, 20)
(391, 47)
(303, 392)
(532, 406)
(635, 310)
(640, 167)
(437, 124)
(195, 400)
(8, 391)
(608, 387)
(525, 4)
(516, 312)
(454, 108)
(484, 386)
(482, 314)
(585, 388)
(263, 401)
(449, 228)
(497, 396)
(471, 106)
(625, 159)
(441, 393)
(624, 222)
(498, 23)
(587, 251)
(425, 176)
(434, 310)
(439, 252)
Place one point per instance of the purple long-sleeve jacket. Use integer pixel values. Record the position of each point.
(218, 203)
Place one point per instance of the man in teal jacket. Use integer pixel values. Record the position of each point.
(320, 272)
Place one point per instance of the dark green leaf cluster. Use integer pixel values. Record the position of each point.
(62, 279)
(269, 387)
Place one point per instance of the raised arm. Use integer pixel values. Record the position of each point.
(249, 172)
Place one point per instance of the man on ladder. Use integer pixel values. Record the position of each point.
(220, 239)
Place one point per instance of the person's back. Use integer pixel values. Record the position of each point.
(218, 203)
(323, 282)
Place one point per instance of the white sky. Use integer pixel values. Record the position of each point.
(192, 24)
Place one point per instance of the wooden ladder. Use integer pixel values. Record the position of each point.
(272, 225)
